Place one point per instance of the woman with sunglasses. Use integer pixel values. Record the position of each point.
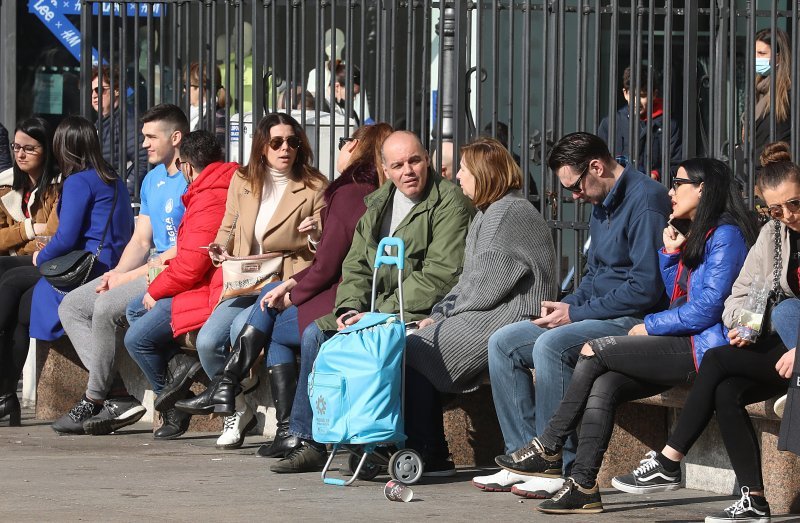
(28, 195)
(285, 309)
(733, 376)
(273, 205)
(705, 245)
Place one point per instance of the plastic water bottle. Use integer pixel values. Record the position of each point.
(154, 266)
(751, 318)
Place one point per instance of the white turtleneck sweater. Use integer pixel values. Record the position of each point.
(270, 196)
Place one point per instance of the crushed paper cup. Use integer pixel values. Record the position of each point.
(398, 491)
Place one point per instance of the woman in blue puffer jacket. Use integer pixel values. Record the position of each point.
(705, 245)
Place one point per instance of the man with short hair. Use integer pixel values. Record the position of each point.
(432, 216)
(622, 284)
(109, 127)
(93, 313)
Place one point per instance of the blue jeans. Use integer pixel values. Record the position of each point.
(300, 424)
(216, 333)
(785, 318)
(515, 349)
(149, 339)
(280, 327)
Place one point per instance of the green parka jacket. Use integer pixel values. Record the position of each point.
(434, 233)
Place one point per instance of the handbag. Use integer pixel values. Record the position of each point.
(247, 275)
(73, 269)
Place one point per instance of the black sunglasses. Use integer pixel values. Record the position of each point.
(677, 182)
(277, 142)
(344, 140)
(575, 188)
(776, 211)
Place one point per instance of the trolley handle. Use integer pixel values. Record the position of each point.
(398, 259)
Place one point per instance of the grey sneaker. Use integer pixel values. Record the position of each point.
(649, 476)
(72, 421)
(116, 413)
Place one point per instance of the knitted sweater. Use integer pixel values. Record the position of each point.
(509, 268)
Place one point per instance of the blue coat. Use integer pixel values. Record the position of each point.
(708, 286)
(83, 210)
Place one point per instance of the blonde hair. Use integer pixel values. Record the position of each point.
(495, 171)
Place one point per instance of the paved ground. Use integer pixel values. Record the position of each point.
(131, 477)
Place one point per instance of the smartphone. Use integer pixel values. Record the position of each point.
(681, 225)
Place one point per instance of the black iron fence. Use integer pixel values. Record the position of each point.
(526, 72)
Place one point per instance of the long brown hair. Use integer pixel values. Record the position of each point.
(494, 169)
(77, 148)
(257, 170)
(206, 86)
(782, 54)
(370, 139)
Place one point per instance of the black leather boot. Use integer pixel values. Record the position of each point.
(9, 403)
(220, 396)
(283, 384)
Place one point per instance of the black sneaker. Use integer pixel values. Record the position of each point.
(116, 413)
(174, 424)
(746, 509)
(573, 499)
(649, 476)
(438, 467)
(179, 381)
(72, 421)
(306, 457)
(532, 460)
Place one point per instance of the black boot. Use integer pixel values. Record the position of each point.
(282, 383)
(220, 396)
(9, 403)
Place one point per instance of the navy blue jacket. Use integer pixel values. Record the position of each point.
(622, 267)
(647, 161)
(709, 285)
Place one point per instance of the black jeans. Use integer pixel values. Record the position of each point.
(17, 278)
(729, 379)
(623, 368)
(424, 419)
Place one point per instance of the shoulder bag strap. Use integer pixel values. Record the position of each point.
(108, 222)
(777, 263)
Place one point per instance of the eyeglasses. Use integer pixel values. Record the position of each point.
(776, 211)
(106, 89)
(277, 142)
(29, 149)
(179, 163)
(576, 188)
(677, 182)
(344, 140)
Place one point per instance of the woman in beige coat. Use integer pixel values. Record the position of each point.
(273, 205)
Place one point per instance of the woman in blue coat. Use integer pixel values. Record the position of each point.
(87, 200)
(705, 245)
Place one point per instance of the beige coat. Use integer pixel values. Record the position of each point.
(759, 261)
(297, 203)
(16, 231)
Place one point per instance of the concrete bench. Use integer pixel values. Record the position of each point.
(473, 434)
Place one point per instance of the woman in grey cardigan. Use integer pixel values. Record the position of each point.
(509, 269)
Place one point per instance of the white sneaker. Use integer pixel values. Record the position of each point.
(537, 487)
(780, 404)
(236, 425)
(501, 481)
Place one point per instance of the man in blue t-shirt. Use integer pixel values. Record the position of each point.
(92, 313)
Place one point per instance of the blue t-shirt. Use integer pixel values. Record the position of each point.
(161, 201)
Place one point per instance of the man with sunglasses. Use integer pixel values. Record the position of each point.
(622, 283)
(92, 314)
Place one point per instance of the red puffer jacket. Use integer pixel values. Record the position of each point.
(188, 276)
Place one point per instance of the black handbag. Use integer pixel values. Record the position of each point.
(74, 268)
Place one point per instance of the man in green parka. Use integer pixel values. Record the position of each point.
(431, 215)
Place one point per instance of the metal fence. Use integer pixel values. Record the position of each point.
(527, 72)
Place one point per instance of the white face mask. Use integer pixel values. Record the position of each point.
(762, 66)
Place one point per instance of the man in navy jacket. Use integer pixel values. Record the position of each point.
(622, 284)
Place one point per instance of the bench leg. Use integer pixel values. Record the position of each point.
(781, 471)
(472, 430)
(61, 378)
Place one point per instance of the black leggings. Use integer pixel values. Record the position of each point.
(17, 278)
(623, 368)
(729, 379)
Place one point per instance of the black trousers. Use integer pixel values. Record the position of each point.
(623, 368)
(17, 277)
(729, 379)
(424, 419)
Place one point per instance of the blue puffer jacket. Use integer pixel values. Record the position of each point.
(708, 285)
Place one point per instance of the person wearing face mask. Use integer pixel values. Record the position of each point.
(773, 66)
(199, 91)
(742, 372)
(268, 201)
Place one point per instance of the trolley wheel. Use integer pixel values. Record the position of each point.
(370, 469)
(406, 466)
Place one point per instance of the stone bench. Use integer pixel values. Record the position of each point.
(473, 434)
